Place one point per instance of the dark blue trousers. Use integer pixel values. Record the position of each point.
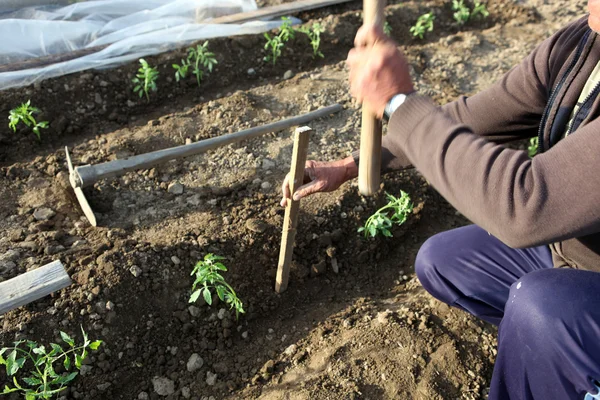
(549, 318)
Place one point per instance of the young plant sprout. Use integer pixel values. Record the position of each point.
(462, 13)
(200, 56)
(41, 379)
(314, 35)
(387, 28)
(396, 211)
(24, 113)
(181, 70)
(145, 80)
(286, 31)
(208, 276)
(424, 24)
(480, 9)
(276, 43)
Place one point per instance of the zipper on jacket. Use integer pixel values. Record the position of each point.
(556, 90)
(584, 108)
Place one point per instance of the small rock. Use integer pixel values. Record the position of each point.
(290, 350)
(194, 200)
(135, 271)
(195, 362)
(110, 305)
(130, 104)
(143, 396)
(334, 265)
(175, 260)
(222, 313)
(43, 214)
(175, 188)
(163, 386)
(251, 71)
(211, 378)
(6, 266)
(268, 164)
(103, 386)
(185, 392)
(256, 225)
(266, 185)
(245, 335)
(194, 311)
(288, 74)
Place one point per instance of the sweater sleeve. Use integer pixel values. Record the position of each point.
(511, 108)
(523, 202)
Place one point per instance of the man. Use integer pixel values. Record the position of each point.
(531, 214)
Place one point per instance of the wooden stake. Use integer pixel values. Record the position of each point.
(291, 211)
(369, 168)
(32, 285)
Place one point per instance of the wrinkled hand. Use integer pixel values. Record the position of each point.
(320, 176)
(378, 69)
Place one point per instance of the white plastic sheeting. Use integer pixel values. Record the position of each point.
(131, 29)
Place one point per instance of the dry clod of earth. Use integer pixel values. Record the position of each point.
(354, 323)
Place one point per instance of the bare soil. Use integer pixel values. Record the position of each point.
(367, 332)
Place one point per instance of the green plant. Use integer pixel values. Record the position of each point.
(480, 9)
(181, 70)
(145, 79)
(208, 276)
(286, 31)
(314, 35)
(24, 113)
(533, 146)
(43, 381)
(462, 13)
(382, 221)
(274, 45)
(387, 28)
(424, 24)
(200, 56)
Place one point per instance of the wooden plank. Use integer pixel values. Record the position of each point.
(32, 285)
(263, 13)
(369, 166)
(291, 211)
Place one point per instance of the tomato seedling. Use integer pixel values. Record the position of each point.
(208, 276)
(314, 35)
(24, 113)
(42, 381)
(145, 80)
(424, 24)
(396, 212)
(200, 56)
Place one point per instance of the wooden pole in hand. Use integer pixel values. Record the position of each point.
(369, 168)
(291, 211)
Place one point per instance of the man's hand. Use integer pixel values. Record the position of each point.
(378, 69)
(321, 176)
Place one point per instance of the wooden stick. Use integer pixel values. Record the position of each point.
(32, 285)
(369, 167)
(291, 211)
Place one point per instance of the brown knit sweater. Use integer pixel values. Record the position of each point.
(551, 199)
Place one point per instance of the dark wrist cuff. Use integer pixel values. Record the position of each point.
(356, 156)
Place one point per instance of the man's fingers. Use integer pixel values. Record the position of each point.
(368, 35)
(305, 190)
